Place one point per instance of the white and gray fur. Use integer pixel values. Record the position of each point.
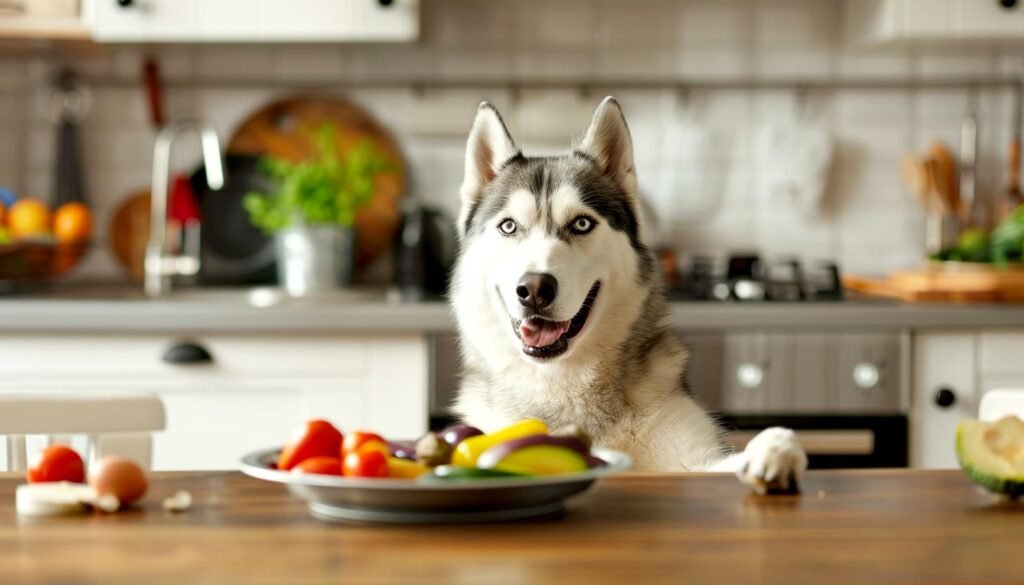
(621, 378)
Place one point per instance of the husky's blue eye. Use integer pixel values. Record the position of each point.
(582, 225)
(507, 227)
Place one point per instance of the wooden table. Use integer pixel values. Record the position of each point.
(849, 527)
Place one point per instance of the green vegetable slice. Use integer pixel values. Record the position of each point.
(992, 454)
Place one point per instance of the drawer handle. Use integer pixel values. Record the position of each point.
(187, 353)
(1008, 4)
(945, 398)
(124, 3)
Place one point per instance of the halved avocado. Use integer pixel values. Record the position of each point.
(992, 454)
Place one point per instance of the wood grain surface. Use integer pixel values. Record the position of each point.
(849, 527)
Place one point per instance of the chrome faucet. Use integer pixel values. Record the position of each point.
(160, 265)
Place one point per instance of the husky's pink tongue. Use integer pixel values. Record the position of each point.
(541, 333)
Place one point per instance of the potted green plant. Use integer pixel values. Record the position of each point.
(313, 208)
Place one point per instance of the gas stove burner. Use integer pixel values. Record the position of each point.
(748, 279)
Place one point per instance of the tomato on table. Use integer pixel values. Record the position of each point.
(56, 463)
(360, 440)
(316, 438)
(322, 465)
(366, 462)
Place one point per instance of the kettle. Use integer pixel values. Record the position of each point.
(424, 250)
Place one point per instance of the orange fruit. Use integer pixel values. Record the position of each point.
(2, 210)
(28, 218)
(72, 223)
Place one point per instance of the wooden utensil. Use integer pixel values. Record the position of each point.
(945, 177)
(1011, 196)
(283, 129)
(129, 233)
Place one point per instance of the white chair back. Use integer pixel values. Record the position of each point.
(114, 423)
(1000, 402)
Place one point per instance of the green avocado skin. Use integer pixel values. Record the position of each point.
(1011, 487)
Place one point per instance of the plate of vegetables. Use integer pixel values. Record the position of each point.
(457, 475)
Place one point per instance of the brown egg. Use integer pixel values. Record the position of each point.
(118, 477)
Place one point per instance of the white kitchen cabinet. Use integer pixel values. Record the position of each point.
(251, 395)
(944, 393)
(965, 365)
(915, 22)
(253, 20)
(980, 18)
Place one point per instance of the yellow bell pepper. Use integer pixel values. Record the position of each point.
(467, 452)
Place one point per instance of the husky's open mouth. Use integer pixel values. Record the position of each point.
(543, 338)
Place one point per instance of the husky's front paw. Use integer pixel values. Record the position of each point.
(774, 462)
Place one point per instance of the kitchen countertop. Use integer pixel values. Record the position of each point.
(870, 527)
(254, 310)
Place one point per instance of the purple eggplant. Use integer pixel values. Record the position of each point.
(547, 455)
(402, 449)
(456, 434)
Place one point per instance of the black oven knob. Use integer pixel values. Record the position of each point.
(945, 398)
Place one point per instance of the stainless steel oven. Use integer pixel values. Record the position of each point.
(845, 393)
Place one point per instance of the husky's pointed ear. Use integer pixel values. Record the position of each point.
(489, 147)
(607, 141)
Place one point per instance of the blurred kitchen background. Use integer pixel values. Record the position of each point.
(784, 148)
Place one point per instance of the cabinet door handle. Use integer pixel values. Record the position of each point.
(187, 353)
(945, 398)
(125, 3)
(1008, 4)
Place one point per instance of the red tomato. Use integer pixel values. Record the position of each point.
(56, 463)
(313, 439)
(365, 463)
(319, 465)
(356, 439)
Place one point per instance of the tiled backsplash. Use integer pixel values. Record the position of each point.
(868, 221)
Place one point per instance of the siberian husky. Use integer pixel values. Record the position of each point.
(559, 302)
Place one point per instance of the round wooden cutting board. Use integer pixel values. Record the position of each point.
(283, 129)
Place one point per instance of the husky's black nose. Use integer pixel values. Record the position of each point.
(537, 290)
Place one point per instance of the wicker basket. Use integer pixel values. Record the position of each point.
(27, 263)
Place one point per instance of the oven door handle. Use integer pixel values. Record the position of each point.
(821, 441)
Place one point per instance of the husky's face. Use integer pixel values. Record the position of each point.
(548, 244)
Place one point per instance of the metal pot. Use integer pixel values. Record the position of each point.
(312, 260)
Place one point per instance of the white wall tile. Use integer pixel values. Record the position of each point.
(793, 63)
(714, 62)
(315, 62)
(233, 62)
(719, 23)
(476, 24)
(949, 65)
(800, 23)
(562, 25)
(644, 23)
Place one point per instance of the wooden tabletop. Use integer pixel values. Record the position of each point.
(849, 527)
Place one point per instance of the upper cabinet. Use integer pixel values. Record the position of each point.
(252, 20)
(904, 22)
